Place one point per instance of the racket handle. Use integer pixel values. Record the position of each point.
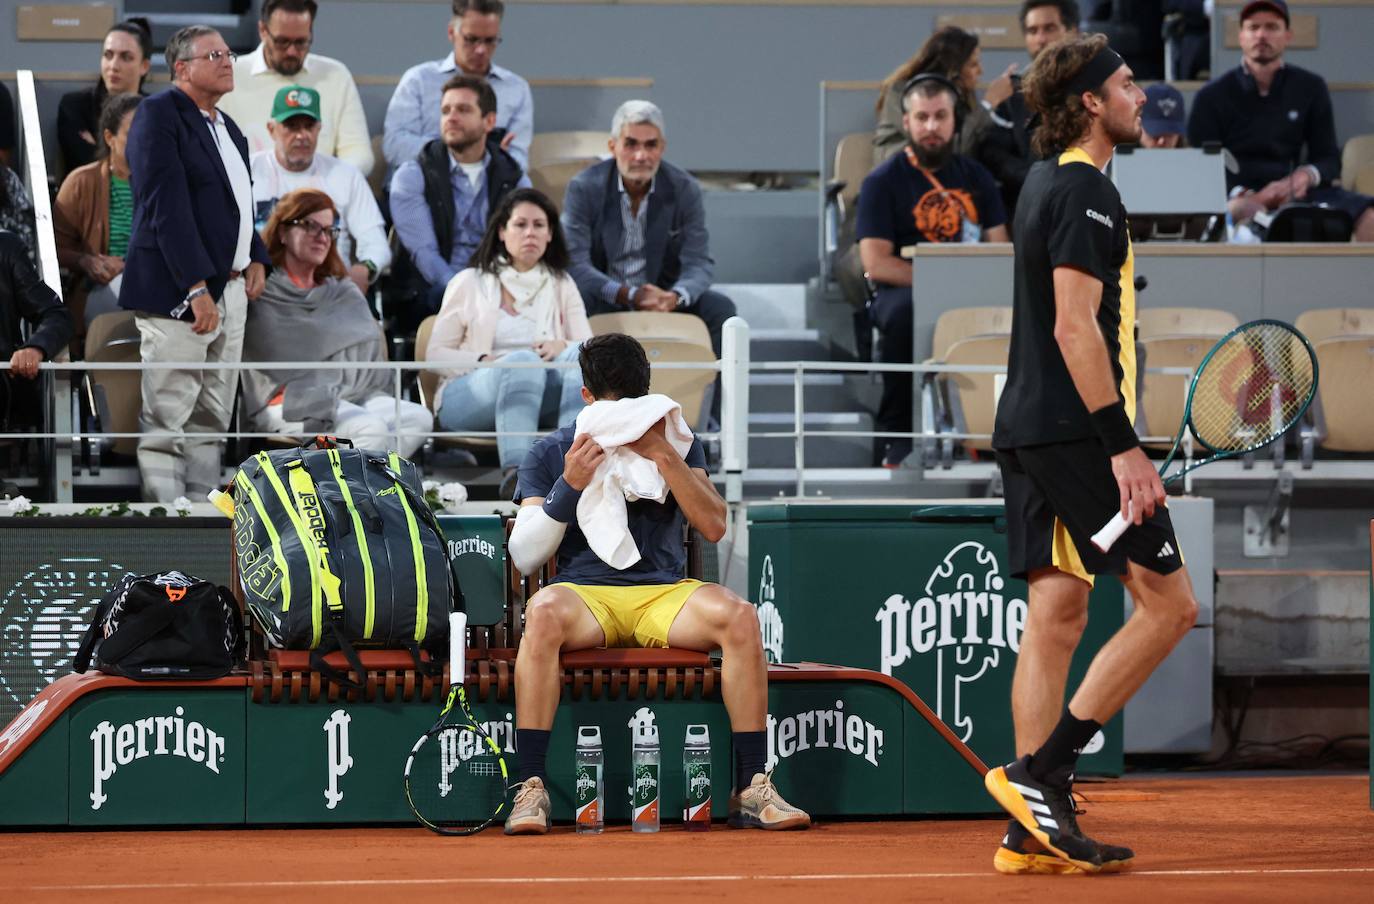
(457, 647)
(1111, 532)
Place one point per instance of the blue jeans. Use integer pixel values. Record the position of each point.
(513, 401)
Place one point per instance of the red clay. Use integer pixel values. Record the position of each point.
(1196, 839)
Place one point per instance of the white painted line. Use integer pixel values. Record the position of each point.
(584, 880)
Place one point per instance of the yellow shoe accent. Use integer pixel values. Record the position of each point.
(1009, 799)
(1014, 863)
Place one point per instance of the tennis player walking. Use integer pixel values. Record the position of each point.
(1070, 458)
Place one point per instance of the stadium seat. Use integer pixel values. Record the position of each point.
(115, 396)
(1332, 323)
(1163, 396)
(653, 325)
(557, 147)
(552, 178)
(853, 161)
(669, 337)
(1154, 322)
(1357, 164)
(961, 323)
(1347, 371)
(972, 398)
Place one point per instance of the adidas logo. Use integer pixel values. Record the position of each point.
(1166, 550)
(1035, 800)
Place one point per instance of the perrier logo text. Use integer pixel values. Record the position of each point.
(586, 783)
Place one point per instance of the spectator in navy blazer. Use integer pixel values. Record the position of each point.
(636, 230)
(194, 262)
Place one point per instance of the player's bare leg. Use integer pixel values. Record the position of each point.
(555, 620)
(1165, 610)
(715, 617)
(1055, 619)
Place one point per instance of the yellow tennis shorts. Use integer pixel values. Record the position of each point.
(637, 616)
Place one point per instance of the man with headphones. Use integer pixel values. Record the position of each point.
(926, 194)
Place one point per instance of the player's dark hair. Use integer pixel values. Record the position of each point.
(1068, 11)
(1063, 118)
(614, 366)
(486, 97)
(289, 6)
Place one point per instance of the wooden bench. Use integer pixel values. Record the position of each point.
(285, 676)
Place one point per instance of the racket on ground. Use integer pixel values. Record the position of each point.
(1253, 387)
(455, 776)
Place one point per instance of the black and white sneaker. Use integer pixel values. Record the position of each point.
(1046, 811)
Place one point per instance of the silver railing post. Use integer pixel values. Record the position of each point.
(798, 425)
(734, 406)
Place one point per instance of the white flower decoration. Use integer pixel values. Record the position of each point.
(452, 495)
(20, 504)
(182, 505)
(430, 485)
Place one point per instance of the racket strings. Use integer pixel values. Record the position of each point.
(1253, 388)
(455, 779)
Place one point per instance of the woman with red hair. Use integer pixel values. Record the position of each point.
(311, 311)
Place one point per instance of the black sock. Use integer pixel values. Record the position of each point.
(1054, 762)
(532, 746)
(751, 755)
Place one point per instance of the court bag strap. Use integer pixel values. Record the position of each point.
(96, 630)
(135, 632)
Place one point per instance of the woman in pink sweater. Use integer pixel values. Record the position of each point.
(515, 302)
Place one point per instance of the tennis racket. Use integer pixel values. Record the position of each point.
(455, 776)
(1253, 387)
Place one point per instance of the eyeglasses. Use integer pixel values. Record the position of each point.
(474, 40)
(215, 56)
(315, 230)
(288, 43)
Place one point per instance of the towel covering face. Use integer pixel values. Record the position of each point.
(624, 475)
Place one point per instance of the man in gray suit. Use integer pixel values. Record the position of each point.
(636, 230)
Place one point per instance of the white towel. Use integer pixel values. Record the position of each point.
(622, 474)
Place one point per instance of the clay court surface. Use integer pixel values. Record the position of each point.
(1271, 838)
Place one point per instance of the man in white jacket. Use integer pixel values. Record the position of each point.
(650, 603)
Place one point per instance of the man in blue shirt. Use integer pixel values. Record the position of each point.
(441, 199)
(650, 604)
(927, 194)
(475, 32)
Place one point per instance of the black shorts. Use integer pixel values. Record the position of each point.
(1059, 495)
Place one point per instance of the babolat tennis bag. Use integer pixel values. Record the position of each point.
(336, 550)
(160, 626)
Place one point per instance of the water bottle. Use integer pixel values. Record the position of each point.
(588, 781)
(645, 760)
(696, 779)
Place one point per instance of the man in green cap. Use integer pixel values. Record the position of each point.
(293, 162)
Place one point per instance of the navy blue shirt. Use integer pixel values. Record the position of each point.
(900, 203)
(657, 529)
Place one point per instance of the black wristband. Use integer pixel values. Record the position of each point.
(1114, 428)
(560, 503)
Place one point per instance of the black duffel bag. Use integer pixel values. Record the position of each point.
(164, 626)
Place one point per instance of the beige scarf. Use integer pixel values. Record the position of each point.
(533, 294)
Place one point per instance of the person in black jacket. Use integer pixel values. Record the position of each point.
(124, 63)
(1006, 146)
(25, 297)
(1276, 120)
(440, 201)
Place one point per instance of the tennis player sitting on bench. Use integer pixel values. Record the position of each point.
(649, 604)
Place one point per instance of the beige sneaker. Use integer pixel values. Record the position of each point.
(760, 806)
(529, 814)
